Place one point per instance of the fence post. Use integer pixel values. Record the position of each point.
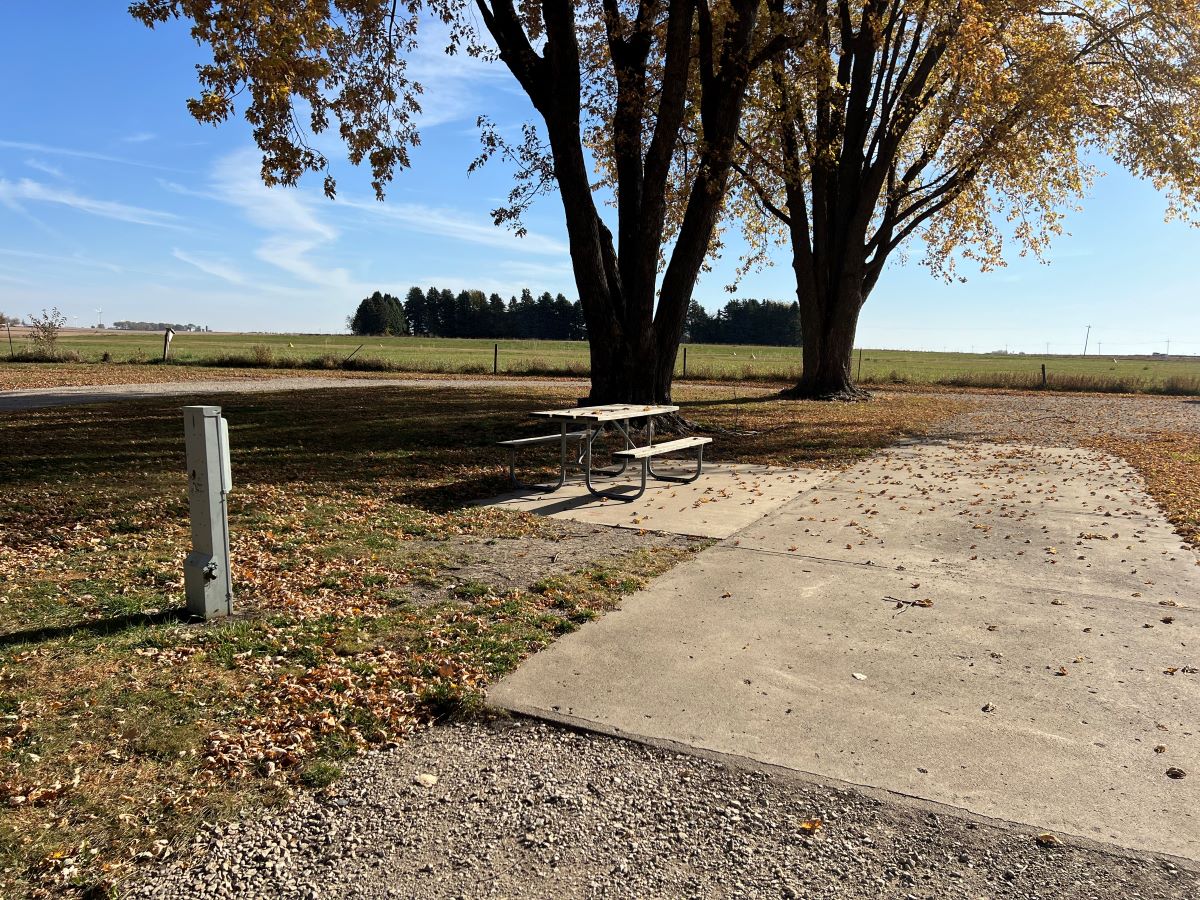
(496, 360)
(208, 583)
(1043, 374)
(685, 360)
(11, 353)
(859, 378)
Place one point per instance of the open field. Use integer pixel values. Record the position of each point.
(704, 361)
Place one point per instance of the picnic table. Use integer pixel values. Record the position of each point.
(595, 419)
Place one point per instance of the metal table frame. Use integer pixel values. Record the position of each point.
(595, 419)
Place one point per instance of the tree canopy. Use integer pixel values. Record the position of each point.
(377, 315)
(967, 122)
(652, 90)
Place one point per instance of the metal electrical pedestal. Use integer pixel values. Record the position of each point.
(207, 579)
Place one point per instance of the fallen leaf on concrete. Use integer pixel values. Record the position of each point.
(426, 780)
(1176, 773)
(1160, 749)
(858, 676)
(1048, 839)
(726, 595)
(988, 707)
(808, 826)
(1062, 670)
(1167, 620)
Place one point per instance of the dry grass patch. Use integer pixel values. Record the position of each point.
(757, 426)
(1169, 462)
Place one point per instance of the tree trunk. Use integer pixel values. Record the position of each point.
(828, 325)
(624, 373)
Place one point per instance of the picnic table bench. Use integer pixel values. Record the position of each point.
(594, 420)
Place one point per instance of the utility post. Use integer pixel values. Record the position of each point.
(207, 579)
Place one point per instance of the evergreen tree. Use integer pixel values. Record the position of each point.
(414, 311)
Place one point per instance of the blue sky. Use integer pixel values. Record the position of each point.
(112, 197)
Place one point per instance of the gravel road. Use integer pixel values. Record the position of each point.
(529, 810)
(38, 398)
(1061, 420)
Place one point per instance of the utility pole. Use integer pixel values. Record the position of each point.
(1085, 339)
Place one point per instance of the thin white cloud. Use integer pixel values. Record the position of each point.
(297, 256)
(12, 193)
(215, 268)
(47, 168)
(176, 188)
(81, 154)
(139, 138)
(236, 181)
(295, 232)
(452, 84)
(540, 272)
(58, 259)
(12, 279)
(458, 225)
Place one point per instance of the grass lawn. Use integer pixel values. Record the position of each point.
(704, 361)
(122, 727)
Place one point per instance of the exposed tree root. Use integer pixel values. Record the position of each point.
(848, 394)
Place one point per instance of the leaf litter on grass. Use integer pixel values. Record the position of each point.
(122, 726)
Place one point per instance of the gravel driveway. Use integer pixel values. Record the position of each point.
(523, 810)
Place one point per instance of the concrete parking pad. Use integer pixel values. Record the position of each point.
(726, 498)
(900, 633)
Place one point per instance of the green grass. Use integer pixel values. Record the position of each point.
(704, 361)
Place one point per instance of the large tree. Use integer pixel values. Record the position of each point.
(965, 122)
(652, 89)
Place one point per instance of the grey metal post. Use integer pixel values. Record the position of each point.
(207, 579)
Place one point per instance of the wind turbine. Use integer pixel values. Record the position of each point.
(99, 318)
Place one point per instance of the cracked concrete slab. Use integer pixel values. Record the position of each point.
(1032, 687)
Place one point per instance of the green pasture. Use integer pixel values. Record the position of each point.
(715, 361)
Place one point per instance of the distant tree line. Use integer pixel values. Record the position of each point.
(437, 312)
(745, 322)
(158, 326)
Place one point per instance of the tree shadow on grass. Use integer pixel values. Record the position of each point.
(347, 437)
(96, 627)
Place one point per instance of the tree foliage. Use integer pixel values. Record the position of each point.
(472, 314)
(967, 122)
(650, 89)
(44, 330)
(750, 321)
(378, 314)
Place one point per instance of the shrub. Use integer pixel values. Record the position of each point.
(44, 331)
